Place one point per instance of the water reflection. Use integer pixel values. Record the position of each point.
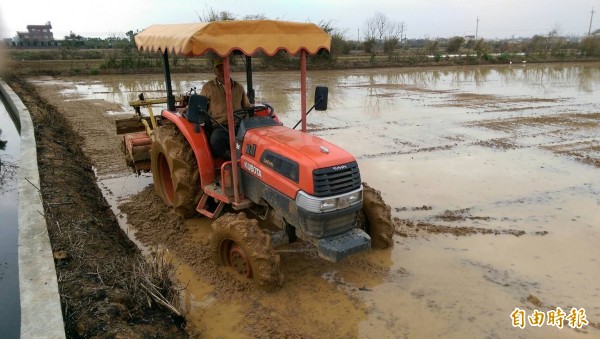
(8, 175)
(372, 93)
(8, 169)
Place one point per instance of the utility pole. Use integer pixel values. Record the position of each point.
(477, 28)
(401, 32)
(591, 17)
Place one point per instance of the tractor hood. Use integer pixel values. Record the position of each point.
(280, 150)
(306, 149)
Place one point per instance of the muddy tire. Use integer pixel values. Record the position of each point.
(239, 242)
(375, 218)
(174, 170)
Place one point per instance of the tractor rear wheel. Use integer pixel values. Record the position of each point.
(239, 242)
(175, 170)
(375, 218)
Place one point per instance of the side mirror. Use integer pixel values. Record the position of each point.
(197, 111)
(321, 98)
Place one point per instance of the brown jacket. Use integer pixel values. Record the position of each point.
(215, 92)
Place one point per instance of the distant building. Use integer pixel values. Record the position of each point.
(36, 35)
(8, 42)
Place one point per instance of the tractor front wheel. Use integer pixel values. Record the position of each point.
(238, 242)
(175, 170)
(375, 218)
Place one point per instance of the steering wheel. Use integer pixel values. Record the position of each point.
(250, 111)
(270, 109)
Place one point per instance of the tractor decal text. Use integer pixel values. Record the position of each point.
(252, 169)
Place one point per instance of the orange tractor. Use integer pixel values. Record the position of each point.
(306, 187)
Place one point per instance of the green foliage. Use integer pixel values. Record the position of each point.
(390, 45)
(537, 44)
(431, 47)
(481, 48)
(339, 45)
(369, 45)
(44, 54)
(211, 14)
(504, 57)
(454, 44)
(590, 46)
(128, 58)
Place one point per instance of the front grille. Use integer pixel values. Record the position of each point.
(326, 226)
(336, 179)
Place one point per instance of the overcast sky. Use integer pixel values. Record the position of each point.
(421, 18)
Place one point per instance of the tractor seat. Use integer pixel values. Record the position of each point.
(197, 111)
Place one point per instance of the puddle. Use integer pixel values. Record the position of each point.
(512, 147)
(117, 189)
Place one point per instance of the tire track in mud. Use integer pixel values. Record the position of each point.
(262, 313)
(412, 228)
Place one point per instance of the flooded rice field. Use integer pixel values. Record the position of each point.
(491, 174)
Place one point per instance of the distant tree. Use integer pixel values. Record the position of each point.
(131, 36)
(590, 46)
(454, 44)
(481, 48)
(73, 37)
(339, 45)
(384, 32)
(255, 17)
(537, 44)
(210, 15)
(431, 47)
(390, 45)
(369, 45)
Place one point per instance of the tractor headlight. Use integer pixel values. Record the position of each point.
(320, 205)
(328, 205)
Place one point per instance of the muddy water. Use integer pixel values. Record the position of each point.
(502, 148)
(10, 308)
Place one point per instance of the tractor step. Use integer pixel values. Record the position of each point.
(202, 207)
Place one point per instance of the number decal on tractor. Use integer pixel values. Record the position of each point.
(253, 169)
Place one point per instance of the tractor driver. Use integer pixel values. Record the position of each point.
(214, 90)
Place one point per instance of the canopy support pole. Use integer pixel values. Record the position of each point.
(230, 126)
(170, 97)
(303, 88)
(249, 79)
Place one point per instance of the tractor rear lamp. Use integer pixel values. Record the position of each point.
(320, 205)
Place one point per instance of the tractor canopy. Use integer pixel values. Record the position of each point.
(224, 37)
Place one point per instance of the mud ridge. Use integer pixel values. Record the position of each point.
(93, 257)
(408, 228)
